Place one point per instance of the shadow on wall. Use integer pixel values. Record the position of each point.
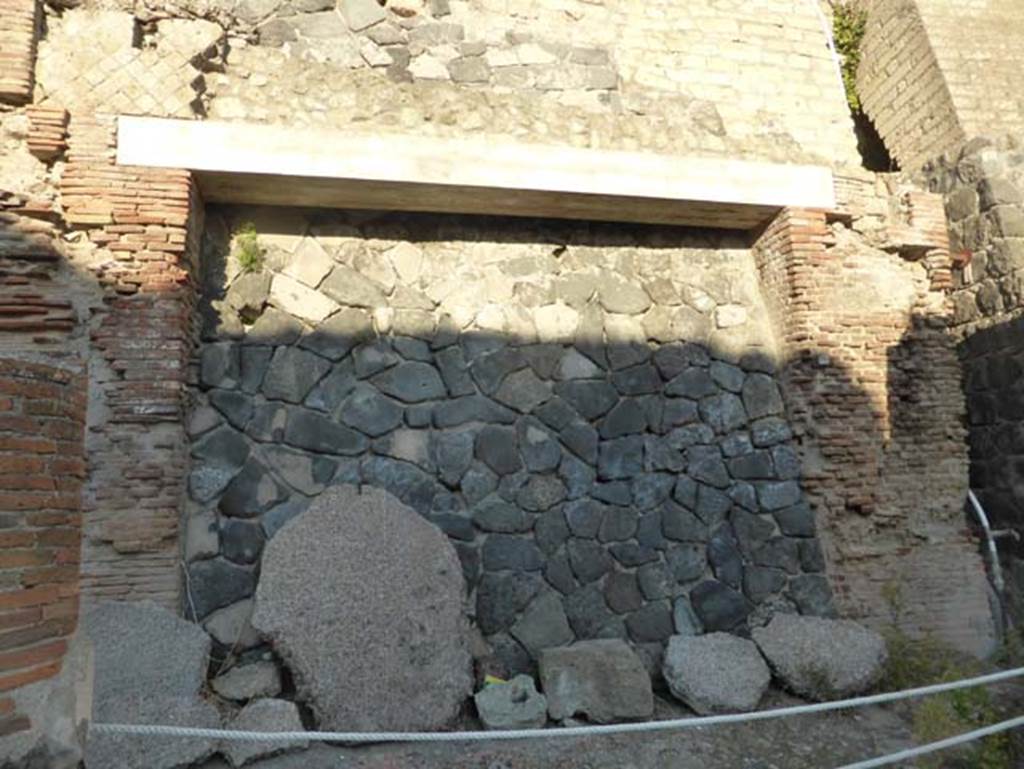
(595, 416)
(993, 364)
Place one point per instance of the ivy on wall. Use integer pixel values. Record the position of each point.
(849, 22)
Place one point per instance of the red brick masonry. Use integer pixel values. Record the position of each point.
(42, 469)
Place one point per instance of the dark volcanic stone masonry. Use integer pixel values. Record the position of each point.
(606, 459)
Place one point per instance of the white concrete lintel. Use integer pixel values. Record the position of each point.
(255, 163)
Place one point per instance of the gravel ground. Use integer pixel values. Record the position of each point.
(806, 742)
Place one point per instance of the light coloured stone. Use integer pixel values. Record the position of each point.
(426, 67)
(603, 680)
(310, 263)
(232, 626)
(248, 681)
(491, 318)
(190, 38)
(360, 14)
(370, 653)
(377, 268)
(822, 659)
(556, 323)
(531, 53)
(715, 673)
(374, 55)
(299, 300)
(407, 259)
(623, 329)
(201, 540)
(513, 705)
(729, 315)
(263, 716)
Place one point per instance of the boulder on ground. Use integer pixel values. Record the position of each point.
(513, 705)
(149, 668)
(603, 680)
(715, 673)
(822, 659)
(263, 716)
(132, 751)
(363, 598)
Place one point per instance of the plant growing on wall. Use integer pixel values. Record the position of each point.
(849, 22)
(248, 250)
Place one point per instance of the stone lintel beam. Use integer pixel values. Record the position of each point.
(282, 165)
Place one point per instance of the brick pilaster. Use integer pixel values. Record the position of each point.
(872, 386)
(147, 222)
(19, 30)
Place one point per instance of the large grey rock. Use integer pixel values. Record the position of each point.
(149, 667)
(386, 646)
(715, 673)
(129, 751)
(513, 705)
(142, 647)
(603, 680)
(263, 716)
(822, 659)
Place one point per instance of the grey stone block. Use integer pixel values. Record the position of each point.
(370, 412)
(507, 552)
(292, 373)
(822, 659)
(314, 432)
(620, 458)
(589, 561)
(411, 382)
(500, 598)
(718, 606)
(216, 583)
(543, 625)
(715, 673)
(602, 680)
(512, 705)
(266, 715)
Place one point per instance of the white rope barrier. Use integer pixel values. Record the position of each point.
(934, 747)
(153, 730)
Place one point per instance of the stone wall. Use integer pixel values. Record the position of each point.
(873, 397)
(983, 186)
(587, 411)
(935, 73)
(738, 79)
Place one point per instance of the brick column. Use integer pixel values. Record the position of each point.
(19, 29)
(873, 394)
(42, 467)
(147, 222)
